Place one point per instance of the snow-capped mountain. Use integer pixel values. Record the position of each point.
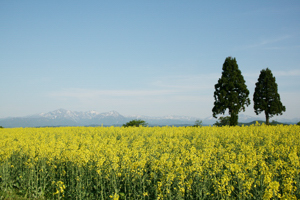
(74, 115)
(110, 114)
(63, 117)
(60, 114)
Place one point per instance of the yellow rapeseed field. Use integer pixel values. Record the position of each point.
(255, 162)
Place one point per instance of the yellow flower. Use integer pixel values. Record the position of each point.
(145, 193)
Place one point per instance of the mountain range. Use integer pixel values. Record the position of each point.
(62, 117)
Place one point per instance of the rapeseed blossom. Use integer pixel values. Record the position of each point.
(152, 162)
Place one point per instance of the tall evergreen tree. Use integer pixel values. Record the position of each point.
(266, 97)
(230, 92)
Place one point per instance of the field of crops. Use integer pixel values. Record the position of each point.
(255, 162)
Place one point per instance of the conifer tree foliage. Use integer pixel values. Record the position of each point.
(230, 92)
(266, 97)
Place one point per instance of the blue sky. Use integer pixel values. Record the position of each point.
(150, 58)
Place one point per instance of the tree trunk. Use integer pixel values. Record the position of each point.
(267, 118)
(233, 119)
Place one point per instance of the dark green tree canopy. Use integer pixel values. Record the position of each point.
(135, 122)
(231, 91)
(266, 97)
(223, 121)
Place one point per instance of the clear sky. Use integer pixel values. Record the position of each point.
(150, 58)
